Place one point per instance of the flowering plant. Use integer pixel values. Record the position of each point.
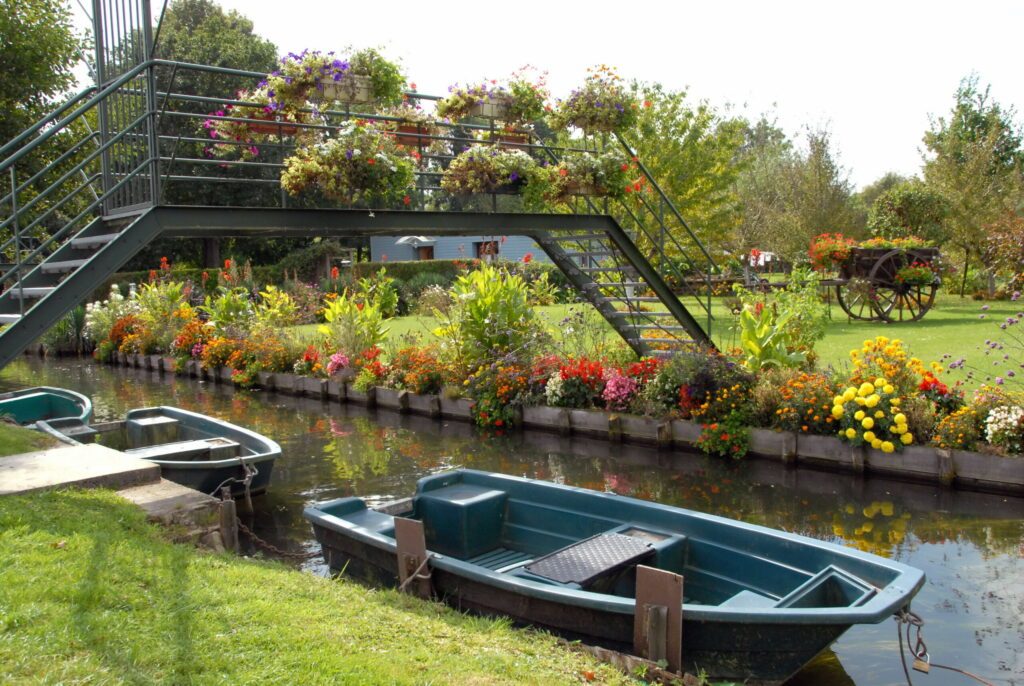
(300, 76)
(606, 174)
(337, 363)
(519, 102)
(372, 370)
(498, 390)
(361, 165)
(601, 104)
(237, 130)
(729, 438)
(939, 394)
(485, 169)
(889, 358)
(960, 429)
(906, 243)
(416, 369)
(387, 83)
(619, 390)
(1004, 428)
(829, 249)
(579, 383)
(804, 404)
(309, 364)
(870, 415)
(916, 274)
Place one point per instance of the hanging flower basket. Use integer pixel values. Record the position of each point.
(352, 89)
(409, 135)
(495, 107)
(273, 128)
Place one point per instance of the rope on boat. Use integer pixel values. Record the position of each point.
(917, 648)
(271, 548)
(416, 574)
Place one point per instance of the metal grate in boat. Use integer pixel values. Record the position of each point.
(499, 558)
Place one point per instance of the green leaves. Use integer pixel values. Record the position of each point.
(765, 339)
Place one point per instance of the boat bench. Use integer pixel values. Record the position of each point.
(196, 449)
(462, 520)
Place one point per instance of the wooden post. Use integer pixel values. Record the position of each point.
(658, 618)
(411, 546)
(229, 525)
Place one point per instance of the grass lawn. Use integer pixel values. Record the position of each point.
(92, 593)
(15, 440)
(951, 327)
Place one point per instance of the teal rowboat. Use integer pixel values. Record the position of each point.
(192, 449)
(758, 603)
(31, 405)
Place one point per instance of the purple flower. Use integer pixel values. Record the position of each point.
(999, 381)
(514, 176)
(348, 154)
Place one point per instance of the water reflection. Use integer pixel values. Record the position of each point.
(971, 545)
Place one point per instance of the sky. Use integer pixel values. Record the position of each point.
(872, 72)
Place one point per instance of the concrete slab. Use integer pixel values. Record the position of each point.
(83, 466)
(195, 514)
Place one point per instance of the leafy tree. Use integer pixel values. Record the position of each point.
(201, 32)
(691, 149)
(763, 196)
(974, 159)
(38, 51)
(909, 208)
(870, 193)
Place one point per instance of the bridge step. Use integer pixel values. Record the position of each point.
(9, 318)
(61, 267)
(93, 241)
(26, 293)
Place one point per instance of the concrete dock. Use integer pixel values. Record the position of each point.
(192, 516)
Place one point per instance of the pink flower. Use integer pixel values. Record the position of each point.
(337, 362)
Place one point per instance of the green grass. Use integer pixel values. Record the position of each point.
(15, 440)
(94, 594)
(952, 326)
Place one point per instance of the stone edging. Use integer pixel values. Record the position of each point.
(952, 468)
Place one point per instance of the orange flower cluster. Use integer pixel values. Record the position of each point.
(806, 404)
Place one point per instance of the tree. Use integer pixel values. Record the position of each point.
(762, 194)
(38, 51)
(690, 150)
(910, 208)
(974, 159)
(201, 32)
(870, 193)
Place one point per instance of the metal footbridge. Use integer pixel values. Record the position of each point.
(128, 163)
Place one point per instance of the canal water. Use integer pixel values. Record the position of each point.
(970, 545)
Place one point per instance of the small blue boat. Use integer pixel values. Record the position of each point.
(192, 449)
(31, 405)
(758, 603)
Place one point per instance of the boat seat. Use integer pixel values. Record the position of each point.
(592, 559)
(151, 430)
(462, 520)
(831, 587)
(749, 599)
(179, 450)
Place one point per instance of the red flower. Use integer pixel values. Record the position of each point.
(499, 422)
(371, 161)
(527, 258)
(334, 272)
(227, 264)
(562, 171)
(406, 200)
(647, 103)
(152, 275)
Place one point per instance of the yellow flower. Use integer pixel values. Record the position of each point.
(898, 429)
(888, 389)
(869, 436)
(866, 389)
(888, 447)
(876, 444)
(860, 401)
(879, 414)
(868, 423)
(907, 438)
(837, 411)
(850, 394)
(900, 418)
(859, 415)
(894, 402)
(879, 382)
(851, 433)
(871, 400)
(838, 400)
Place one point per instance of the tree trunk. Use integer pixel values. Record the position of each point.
(967, 262)
(211, 253)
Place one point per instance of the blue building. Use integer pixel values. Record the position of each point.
(408, 248)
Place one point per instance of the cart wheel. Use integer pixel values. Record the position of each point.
(899, 302)
(856, 298)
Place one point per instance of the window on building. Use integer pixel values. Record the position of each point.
(425, 252)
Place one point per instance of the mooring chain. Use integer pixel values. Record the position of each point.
(917, 647)
(416, 575)
(270, 547)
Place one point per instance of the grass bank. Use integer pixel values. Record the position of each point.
(92, 593)
(15, 440)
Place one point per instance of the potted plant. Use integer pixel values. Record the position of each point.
(300, 77)
(916, 274)
(487, 169)
(410, 124)
(264, 118)
(361, 165)
(828, 250)
(601, 104)
(604, 174)
(367, 78)
(521, 101)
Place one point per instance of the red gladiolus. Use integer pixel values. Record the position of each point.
(334, 272)
(227, 264)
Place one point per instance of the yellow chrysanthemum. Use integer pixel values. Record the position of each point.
(859, 415)
(868, 423)
(888, 447)
(907, 438)
(900, 418)
(869, 436)
(851, 433)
